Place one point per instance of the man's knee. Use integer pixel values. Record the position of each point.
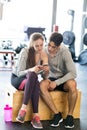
(71, 85)
(44, 86)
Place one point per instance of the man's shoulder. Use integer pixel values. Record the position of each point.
(63, 47)
(64, 50)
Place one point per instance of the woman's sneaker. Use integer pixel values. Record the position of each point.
(36, 123)
(69, 122)
(57, 119)
(21, 116)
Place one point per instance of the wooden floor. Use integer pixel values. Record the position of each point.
(80, 124)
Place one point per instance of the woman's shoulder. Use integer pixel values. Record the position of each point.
(23, 53)
(24, 50)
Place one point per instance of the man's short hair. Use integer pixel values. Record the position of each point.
(57, 38)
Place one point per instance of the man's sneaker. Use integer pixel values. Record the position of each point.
(36, 123)
(21, 116)
(57, 119)
(69, 122)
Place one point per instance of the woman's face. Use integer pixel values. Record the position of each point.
(38, 45)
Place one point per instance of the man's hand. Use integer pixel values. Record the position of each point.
(46, 69)
(52, 85)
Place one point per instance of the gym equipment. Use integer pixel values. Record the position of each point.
(31, 30)
(82, 59)
(69, 39)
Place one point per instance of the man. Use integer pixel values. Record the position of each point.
(61, 77)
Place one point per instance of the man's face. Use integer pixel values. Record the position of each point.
(52, 48)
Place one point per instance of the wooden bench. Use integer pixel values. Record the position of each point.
(14, 98)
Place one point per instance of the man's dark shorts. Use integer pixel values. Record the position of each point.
(60, 87)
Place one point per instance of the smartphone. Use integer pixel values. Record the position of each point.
(45, 64)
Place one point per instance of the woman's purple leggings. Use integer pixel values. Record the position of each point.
(32, 91)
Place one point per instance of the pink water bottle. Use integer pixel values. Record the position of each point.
(7, 113)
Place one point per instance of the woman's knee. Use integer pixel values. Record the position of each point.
(32, 75)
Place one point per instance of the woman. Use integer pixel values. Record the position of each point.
(31, 62)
